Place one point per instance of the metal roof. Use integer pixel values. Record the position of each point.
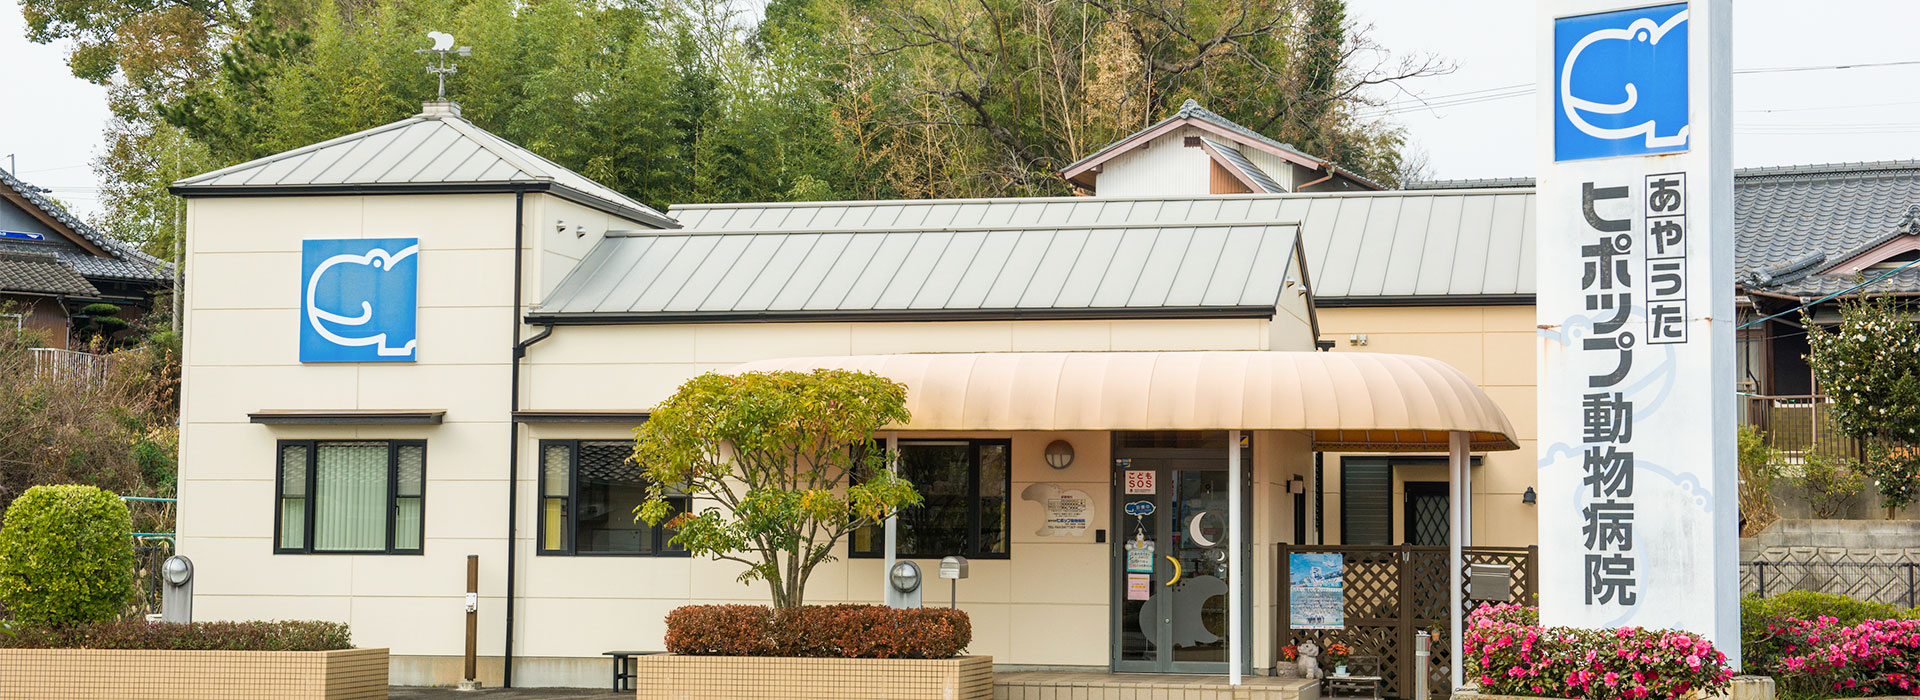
(951, 270)
(1240, 162)
(41, 273)
(126, 263)
(433, 149)
(1370, 245)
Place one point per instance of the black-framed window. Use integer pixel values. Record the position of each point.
(350, 496)
(588, 492)
(965, 486)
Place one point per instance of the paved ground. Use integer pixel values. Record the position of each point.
(398, 693)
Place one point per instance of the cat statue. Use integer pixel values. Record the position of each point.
(1309, 661)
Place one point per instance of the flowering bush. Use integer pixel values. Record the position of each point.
(1875, 657)
(1767, 625)
(1511, 654)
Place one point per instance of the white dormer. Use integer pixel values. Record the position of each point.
(1198, 152)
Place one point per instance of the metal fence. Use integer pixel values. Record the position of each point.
(1892, 583)
(1798, 425)
(70, 364)
(147, 558)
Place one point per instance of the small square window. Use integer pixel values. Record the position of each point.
(589, 493)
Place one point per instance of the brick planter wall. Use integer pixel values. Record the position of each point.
(116, 674)
(672, 677)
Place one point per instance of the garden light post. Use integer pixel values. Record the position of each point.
(176, 599)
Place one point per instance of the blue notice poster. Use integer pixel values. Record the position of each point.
(1316, 591)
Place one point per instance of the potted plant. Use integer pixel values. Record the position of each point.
(1336, 655)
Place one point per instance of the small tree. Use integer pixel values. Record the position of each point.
(1759, 468)
(789, 459)
(1870, 367)
(1828, 483)
(66, 556)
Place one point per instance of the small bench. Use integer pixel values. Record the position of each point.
(624, 669)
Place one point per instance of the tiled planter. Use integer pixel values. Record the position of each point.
(665, 677)
(117, 674)
(1744, 688)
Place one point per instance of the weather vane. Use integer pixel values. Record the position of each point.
(442, 49)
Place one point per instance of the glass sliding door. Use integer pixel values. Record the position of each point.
(1170, 566)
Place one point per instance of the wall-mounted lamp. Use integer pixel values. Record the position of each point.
(1529, 498)
(1059, 454)
(1297, 484)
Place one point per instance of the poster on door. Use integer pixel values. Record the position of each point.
(1316, 591)
(1140, 482)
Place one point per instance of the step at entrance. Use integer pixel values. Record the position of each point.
(1056, 685)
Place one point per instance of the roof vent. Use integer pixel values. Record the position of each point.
(438, 109)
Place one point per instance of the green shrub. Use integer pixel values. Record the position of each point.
(1763, 620)
(846, 631)
(66, 556)
(290, 635)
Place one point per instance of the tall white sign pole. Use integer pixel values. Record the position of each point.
(1638, 505)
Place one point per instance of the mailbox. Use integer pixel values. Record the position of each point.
(953, 567)
(1491, 582)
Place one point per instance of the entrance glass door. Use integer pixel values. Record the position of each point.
(1171, 568)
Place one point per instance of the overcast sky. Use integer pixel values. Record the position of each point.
(1479, 125)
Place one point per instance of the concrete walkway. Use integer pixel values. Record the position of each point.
(399, 693)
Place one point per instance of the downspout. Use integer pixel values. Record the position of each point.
(513, 429)
(1329, 169)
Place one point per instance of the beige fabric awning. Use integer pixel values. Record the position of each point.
(1351, 401)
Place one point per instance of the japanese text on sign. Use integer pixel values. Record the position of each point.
(1139, 481)
(1666, 258)
(1606, 413)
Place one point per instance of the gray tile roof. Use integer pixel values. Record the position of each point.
(436, 148)
(1785, 215)
(41, 273)
(127, 263)
(1356, 244)
(959, 268)
(1240, 162)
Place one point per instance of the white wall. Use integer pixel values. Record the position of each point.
(1162, 167)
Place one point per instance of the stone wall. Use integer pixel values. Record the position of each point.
(1876, 560)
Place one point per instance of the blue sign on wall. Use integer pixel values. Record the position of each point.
(22, 235)
(358, 299)
(1620, 83)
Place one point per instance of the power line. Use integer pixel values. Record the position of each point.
(1522, 89)
(1828, 297)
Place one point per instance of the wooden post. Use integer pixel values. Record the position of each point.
(473, 620)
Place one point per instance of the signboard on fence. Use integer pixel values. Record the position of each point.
(1635, 310)
(1316, 591)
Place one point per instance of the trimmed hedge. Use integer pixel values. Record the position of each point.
(66, 556)
(1764, 622)
(840, 631)
(289, 635)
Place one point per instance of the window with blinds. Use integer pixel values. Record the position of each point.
(1366, 502)
(350, 497)
(589, 490)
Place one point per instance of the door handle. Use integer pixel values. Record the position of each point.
(1176, 571)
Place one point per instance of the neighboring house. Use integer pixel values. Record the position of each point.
(1198, 152)
(52, 265)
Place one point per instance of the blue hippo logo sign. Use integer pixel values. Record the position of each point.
(1620, 83)
(358, 299)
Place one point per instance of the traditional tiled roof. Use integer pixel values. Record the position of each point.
(41, 273)
(1787, 215)
(127, 262)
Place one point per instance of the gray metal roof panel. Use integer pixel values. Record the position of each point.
(426, 149)
(1141, 267)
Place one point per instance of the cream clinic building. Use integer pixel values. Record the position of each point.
(406, 343)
